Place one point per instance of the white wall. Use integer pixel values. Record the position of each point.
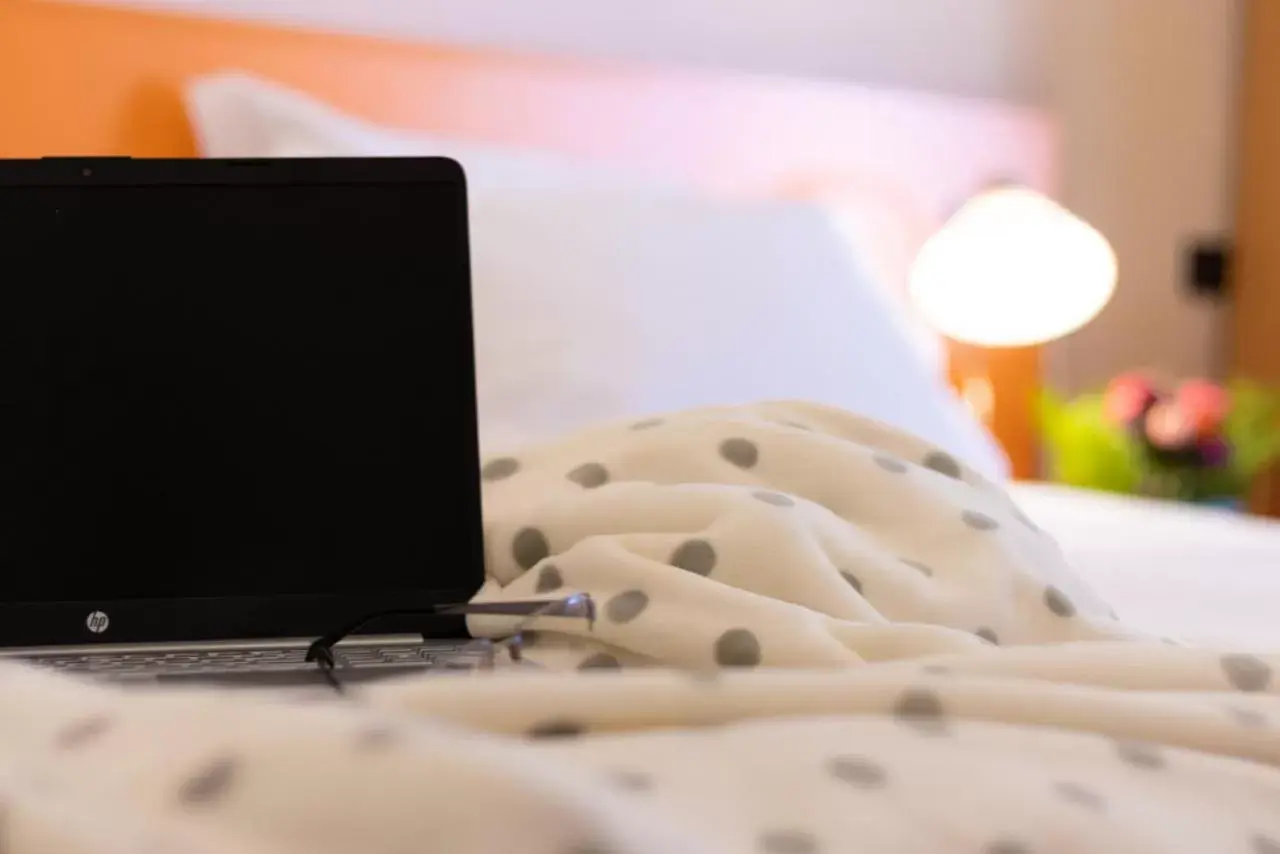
(1146, 93)
(1143, 88)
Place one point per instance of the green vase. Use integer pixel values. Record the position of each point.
(1225, 503)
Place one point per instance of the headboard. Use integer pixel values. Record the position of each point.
(81, 79)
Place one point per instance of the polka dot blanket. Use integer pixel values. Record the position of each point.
(815, 635)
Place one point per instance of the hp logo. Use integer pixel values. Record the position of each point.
(97, 622)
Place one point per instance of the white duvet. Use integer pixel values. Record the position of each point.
(815, 635)
(1200, 574)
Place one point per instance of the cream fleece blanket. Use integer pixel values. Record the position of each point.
(816, 635)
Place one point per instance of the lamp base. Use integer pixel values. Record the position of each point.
(1000, 386)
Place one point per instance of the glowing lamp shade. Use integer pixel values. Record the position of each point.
(1011, 269)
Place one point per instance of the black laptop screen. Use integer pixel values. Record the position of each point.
(234, 391)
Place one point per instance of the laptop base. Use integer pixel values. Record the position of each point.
(261, 663)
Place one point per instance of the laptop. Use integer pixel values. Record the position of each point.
(237, 414)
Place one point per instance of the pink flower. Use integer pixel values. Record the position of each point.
(1168, 428)
(1205, 404)
(1128, 397)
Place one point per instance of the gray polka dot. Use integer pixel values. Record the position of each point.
(1263, 844)
(737, 648)
(936, 670)
(529, 547)
(376, 737)
(742, 453)
(500, 468)
(549, 579)
(1057, 602)
(1139, 754)
(988, 635)
(787, 842)
(1247, 672)
(943, 464)
(83, 732)
(857, 771)
(559, 728)
(591, 846)
(1248, 718)
(890, 464)
(922, 709)
(696, 556)
(1007, 846)
(777, 499)
(979, 521)
(589, 475)
(647, 424)
(919, 567)
(1081, 796)
(632, 781)
(853, 580)
(211, 783)
(626, 606)
(600, 661)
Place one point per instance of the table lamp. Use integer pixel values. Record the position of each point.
(1010, 271)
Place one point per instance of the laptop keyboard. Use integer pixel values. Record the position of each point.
(261, 660)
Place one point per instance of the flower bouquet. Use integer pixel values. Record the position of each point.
(1195, 441)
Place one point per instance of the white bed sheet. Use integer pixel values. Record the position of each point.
(1201, 575)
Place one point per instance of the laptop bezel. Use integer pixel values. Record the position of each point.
(196, 619)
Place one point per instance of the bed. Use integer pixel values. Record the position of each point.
(870, 153)
(1203, 575)
(817, 630)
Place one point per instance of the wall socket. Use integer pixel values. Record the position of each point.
(1208, 268)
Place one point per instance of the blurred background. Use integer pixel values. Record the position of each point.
(1140, 131)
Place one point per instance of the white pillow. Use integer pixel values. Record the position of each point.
(600, 307)
(604, 294)
(237, 115)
